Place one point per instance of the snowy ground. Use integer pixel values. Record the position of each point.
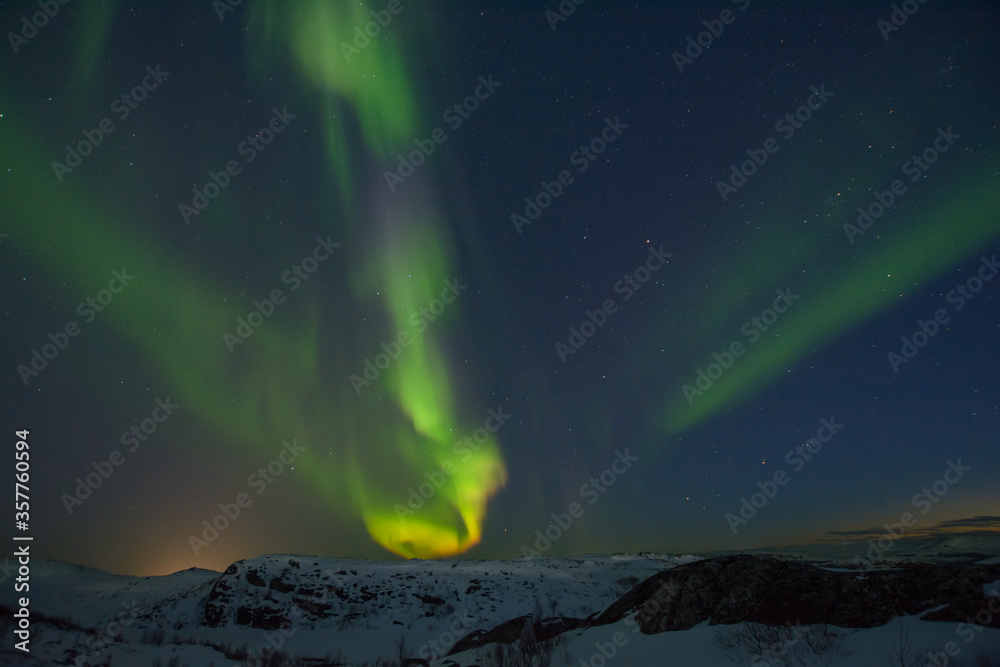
(80, 614)
(698, 648)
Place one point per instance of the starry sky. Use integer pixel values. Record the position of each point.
(424, 279)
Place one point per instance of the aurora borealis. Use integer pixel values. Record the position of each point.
(399, 279)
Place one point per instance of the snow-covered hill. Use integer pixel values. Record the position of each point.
(597, 610)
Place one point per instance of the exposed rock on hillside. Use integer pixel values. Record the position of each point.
(773, 591)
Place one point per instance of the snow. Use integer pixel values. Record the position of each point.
(697, 647)
(121, 620)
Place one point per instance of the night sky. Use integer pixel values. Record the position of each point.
(483, 272)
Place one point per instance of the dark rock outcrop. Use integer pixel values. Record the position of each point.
(263, 617)
(235, 598)
(774, 591)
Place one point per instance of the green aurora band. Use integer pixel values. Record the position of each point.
(410, 260)
(840, 285)
(272, 387)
